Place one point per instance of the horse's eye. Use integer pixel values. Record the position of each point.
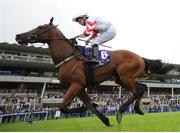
(40, 27)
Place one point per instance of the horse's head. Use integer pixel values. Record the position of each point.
(39, 34)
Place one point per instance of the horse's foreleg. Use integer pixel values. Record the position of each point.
(72, 92)
(92, 106)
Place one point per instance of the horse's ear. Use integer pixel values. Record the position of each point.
(51, 21)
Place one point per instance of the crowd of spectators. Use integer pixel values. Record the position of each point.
(17, 101)
(163, 103)
(53, 95)
(108, 104)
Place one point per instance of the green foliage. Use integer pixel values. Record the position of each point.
(149, 122)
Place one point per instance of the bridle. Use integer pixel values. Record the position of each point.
(32, 38)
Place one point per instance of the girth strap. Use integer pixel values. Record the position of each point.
(67, 59)
(64, 61)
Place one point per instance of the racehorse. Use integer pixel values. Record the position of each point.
(124, 65)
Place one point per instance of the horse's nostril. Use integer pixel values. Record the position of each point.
(17, 36)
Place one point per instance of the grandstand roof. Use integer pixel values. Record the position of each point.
(23, 48)
(12, 63)
(27, 65)
(177, 66)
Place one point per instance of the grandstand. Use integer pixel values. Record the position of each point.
(29, 83)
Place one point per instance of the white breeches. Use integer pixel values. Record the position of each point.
(104, 36)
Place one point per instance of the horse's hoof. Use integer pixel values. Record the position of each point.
(110, 126)
(107, 123)
(119, 117)
(139, 112)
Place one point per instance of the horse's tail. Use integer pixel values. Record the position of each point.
(156, 66)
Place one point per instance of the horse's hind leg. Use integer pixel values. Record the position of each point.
(130, 84)
(86, 99)
(141, 89)
(127, 73)
(137, 91)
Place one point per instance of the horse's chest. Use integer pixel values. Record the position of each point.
(66, 73)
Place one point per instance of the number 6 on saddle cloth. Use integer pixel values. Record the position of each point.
(103, 55)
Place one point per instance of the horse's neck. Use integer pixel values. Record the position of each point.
(59, 49)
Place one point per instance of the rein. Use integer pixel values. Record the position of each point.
(34, 37)
(88, 42)
(52, 27)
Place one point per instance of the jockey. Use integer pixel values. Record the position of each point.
(98, 32)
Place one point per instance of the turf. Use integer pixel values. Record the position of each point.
(149, 122)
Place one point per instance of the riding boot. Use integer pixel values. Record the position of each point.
(94, 58)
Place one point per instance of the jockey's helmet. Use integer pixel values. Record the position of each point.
(84, 16)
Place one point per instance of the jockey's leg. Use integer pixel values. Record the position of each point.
(104, 36)
(95, 50)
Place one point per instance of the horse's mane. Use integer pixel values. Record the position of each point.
(72, 42)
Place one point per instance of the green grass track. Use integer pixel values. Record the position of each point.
(149, 122)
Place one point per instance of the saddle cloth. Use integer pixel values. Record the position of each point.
(103, 55)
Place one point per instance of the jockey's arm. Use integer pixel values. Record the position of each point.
(89, 31)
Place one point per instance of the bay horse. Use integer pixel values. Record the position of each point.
(124, 65)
